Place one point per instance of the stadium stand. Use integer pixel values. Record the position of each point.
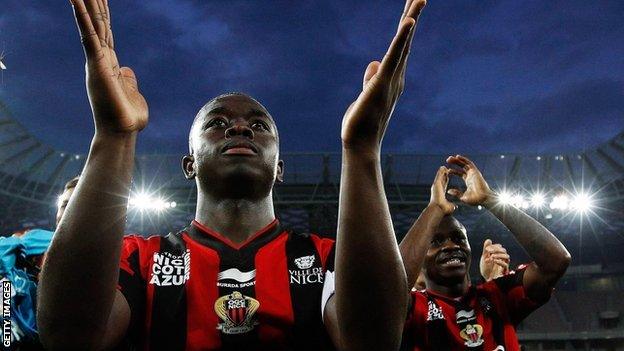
(585, 313)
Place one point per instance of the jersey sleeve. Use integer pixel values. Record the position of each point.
(514, 295)
(132, 282)
(329, 282)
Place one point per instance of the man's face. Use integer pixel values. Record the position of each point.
(62, 204)
(235, 147)
(448, 259)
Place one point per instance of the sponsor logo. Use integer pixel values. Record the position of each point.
(169, 269)
(472, 335)
(465, 316)
(237, 312)
(7, 290)
(434, 312)
(306, 274)
(234, 278)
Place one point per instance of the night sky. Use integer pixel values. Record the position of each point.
(484, 76)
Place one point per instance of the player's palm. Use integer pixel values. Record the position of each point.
(117, 104)
(366, 119)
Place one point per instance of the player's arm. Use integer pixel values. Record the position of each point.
(494, 262)
(370, 300)
(415, 244)
(78, 304)
(550, 257)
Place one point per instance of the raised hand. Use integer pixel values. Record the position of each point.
(365, 121)
(478, 191)
(117, 104)
(494, 261)
(438, 191)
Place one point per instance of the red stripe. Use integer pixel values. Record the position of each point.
(323, 247)
(201, 294)
(205, 230)
(273, 291)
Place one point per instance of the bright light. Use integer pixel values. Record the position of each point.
(537, 200)
(581, 202)
(518, 201)
(143, 202)
(560, 202)
(505, 198)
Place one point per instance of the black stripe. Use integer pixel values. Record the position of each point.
(244, 262)
(306, 288)
(133, 289)
(168, 324)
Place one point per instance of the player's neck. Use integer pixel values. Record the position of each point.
(235, 219)
(449, 290)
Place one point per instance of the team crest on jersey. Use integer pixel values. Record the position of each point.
(169, 269)
(472, 335)
(237, 312)
(307, 273)
(304, 262)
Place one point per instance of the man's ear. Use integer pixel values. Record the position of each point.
(279, 178)
(188, 166)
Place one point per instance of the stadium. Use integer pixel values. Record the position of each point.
(578, 196)
(531, 92)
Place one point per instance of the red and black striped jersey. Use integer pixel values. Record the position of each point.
(196, 290)
(485, 318)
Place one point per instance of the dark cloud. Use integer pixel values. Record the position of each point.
(484, 76)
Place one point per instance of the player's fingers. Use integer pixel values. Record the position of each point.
(455, 193)
(502, 264)
(486, 244)
(442, 176)
(109, 31)
(370, 72)
(501, 256)
(406, 8)
(498, 248)
(88, 35)
(97, 19)
(413, 12)
(414, 8)
(466, 160)
(391, 60)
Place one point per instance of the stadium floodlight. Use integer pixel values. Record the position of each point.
(505, 198)
(142, 202)
(582, 202)
(538, 200)
(518, 201)
(560, 202)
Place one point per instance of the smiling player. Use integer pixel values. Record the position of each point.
(451, 314)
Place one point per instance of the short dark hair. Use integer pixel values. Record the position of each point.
(71, 183)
